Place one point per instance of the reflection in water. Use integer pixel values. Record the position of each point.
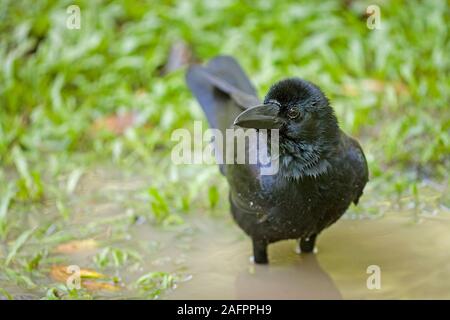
(227, 273)
(221, 268)
(303, 279)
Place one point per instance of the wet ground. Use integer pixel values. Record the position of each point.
(208, 257)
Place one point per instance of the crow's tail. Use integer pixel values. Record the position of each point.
(222, 89)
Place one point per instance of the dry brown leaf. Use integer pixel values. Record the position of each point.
(97, 286)
(117, 123)
(372, 85)
(76, 246)
(90, 279)
(61, 273)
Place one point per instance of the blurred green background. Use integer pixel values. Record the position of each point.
(110, 94)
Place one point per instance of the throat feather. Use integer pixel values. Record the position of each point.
(299, 160)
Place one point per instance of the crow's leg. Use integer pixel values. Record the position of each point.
(307, 244)
(260, 251)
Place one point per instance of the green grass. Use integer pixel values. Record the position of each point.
(390, 89)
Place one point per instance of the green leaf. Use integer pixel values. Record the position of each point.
(4, 204)
(213, 196)
(20, 241)
(6, 294)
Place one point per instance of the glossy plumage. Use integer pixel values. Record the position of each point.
(322, 170)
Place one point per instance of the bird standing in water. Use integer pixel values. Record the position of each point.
(321, 169)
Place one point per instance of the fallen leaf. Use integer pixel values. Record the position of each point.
(372, 85)
(116, 123)
(89, 279)
(76, 246)
(97, 286)
(61, 273)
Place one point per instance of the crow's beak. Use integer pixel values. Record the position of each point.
(260, 117)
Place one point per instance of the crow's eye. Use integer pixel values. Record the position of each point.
(293, 113)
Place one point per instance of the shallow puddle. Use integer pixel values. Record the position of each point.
(210, 255)
(414, 262)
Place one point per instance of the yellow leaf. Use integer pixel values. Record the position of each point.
(90, 279)
(91, 274)
(97, 286)
(76, 246)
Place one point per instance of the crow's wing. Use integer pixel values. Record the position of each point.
(358, 165)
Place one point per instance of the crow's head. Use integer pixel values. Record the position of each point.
(308, 127)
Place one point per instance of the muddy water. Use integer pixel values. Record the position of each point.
(413, 257)
(410, 245)
(414, 262)
(210, 255)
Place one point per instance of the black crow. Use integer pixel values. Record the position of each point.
(321, 169)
